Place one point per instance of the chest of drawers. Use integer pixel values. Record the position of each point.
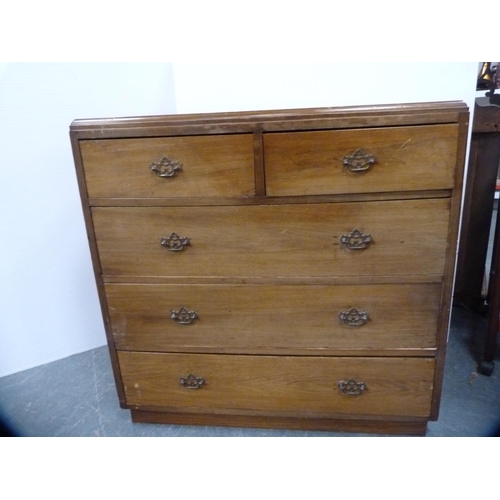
(277, 269)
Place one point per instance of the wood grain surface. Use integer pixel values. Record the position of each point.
(409, 238)
(211, 166)
(407, 158)
(309, 385)
(263, 318)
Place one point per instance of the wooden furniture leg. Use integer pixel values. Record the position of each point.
(486, 365)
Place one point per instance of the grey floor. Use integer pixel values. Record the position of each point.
(76, 396)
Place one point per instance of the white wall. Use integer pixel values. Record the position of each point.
(209, 87)
(48, 301)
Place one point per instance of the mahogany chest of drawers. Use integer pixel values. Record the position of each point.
(277, 269)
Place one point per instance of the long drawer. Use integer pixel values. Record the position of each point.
(177, 167)
(309, 385)
(262, 318)
(360, 161)
(304, 240)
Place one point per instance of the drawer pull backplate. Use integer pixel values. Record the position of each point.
(353, 317)
(183, 316)
(351, 387)
(192, 382)
(356, 240)
(359, 161)
(175, 243)
(166, 167)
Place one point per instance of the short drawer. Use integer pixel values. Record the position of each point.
(360, 160)
(309, 385)
(178, 167)
(307, 240)
(272, 318)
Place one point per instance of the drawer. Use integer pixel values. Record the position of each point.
(310, 385)
(215, 165)
(265, 318)
(405, 159)
(307, 240)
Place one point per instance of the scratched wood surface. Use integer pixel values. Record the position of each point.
(217, 165)
(407, 158)
(273, 318)
(309, 385)
(409, 238)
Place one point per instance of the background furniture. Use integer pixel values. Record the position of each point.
(478, 206)
(487, 364)
(476, 223)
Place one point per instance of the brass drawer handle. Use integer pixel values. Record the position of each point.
(356, 240)
(183, 316)
(166, 167)
(353, 317)
(175, 243)
(351, 387)
(359, 161)
(192, 382)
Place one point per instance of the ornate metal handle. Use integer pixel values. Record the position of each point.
(175, 243)
(359, 161)
(183, 316)
(353, 317)
(192, 382)
(351, 387)
(166, 167)
(356, 240)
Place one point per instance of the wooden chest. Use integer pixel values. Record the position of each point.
(277, 269)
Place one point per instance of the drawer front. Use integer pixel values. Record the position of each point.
(309, 240)
(210, 166)
(405, 159)
(310, 385)
(253, 318)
